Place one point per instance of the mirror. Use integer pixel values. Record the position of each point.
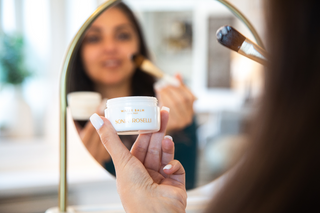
(176, 39)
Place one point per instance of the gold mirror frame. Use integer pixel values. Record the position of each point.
(63, 85)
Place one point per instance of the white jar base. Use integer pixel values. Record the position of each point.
(137, 132)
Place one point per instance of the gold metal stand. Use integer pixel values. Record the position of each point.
(63, 187)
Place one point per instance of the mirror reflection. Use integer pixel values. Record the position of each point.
(208, 136)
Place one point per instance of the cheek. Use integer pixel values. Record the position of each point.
(86, 56)
(89, 61)
(89, 58)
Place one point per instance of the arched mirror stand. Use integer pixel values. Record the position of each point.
(63, 185)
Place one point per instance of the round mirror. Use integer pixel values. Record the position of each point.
(210, 132)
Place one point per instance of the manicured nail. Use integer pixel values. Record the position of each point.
(169, 166)
(165, 108)
(96, 121)
(169, 137)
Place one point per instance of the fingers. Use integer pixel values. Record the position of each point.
(180, 101)
(179, 77)
(180, 95)
(181, 110)
(175, 170)
(111, 141)
(140, 147)
(91, 141)
(183, 90)
(148, 147)
(167, 150)
(86, 130)
(153, 156)
(167, 153)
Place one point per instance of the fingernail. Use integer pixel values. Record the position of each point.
(169, 137)
(169, 166)
(96, 121)
(165, 108)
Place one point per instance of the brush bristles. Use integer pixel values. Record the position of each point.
(229, 37)
(137, 59)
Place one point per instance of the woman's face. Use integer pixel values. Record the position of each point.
(107, 48)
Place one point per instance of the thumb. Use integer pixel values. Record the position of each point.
(111, 141)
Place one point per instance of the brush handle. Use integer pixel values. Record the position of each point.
(148, 67)
(254, 52)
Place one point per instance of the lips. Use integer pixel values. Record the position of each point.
(111, 63)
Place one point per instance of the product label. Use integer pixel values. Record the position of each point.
(133, 118)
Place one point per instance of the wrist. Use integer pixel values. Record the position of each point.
(158, 204)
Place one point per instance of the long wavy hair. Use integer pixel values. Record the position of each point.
(141, 83)
(280, 170)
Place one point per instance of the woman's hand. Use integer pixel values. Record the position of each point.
(179, 100)
(91, 139)
(148, 179)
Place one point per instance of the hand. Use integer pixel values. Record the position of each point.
(179, 100)
(148, 179)
(91, 139)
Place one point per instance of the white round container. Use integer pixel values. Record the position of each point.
(133, 115)
(83, 104)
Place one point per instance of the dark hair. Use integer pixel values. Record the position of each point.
(280, 170)
(142, 83)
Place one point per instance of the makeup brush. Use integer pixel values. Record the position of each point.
(148, 67)
(231, 38)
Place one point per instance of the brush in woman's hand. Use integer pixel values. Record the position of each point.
(231, 38)
(147, 66)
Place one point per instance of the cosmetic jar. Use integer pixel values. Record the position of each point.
(83, 104)
(133, 115)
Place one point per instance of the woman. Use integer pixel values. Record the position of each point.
(279, 172)
(103, 65)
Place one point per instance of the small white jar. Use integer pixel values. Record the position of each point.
(133, 115)
(83, 104)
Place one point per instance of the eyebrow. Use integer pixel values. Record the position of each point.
(93, 28)
(119, 27)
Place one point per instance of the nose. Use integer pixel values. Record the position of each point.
(109, 46)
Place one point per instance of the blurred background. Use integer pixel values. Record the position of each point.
(34, 36)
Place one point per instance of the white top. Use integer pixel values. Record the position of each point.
(132, 100)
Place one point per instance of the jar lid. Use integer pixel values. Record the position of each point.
(83, 104)
(83, 97)
(132, 99)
